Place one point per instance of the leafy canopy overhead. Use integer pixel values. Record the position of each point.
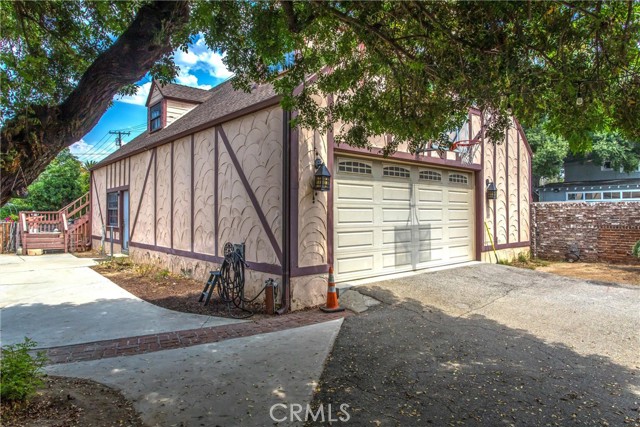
(407, 68)
(413, 69)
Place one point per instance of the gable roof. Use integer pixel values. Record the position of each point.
(222, 104)
(179, 92)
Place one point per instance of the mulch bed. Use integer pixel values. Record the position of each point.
(173, 292)
(67, 402)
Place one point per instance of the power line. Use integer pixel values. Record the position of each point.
(119, 137)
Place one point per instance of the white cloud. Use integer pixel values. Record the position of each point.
(140, 98)
(184, 78)
(185, 58)
(80, 147)
(200, 57)
(214, 65)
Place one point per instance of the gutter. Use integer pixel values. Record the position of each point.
(286, 210)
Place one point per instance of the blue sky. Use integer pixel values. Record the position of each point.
(199, 67)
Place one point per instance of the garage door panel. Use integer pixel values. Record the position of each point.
(429, 195)
(429, 234)
(459, 232)
(354, 192)
(458, 215)
(431, 255)
(355, 264)
(386, 224)
(355, 216)
(430, 214)
(396, 215)
(396, 194)
(396, 236)
(355, 239)
(459, 197)
(397, 259)
(458, 251)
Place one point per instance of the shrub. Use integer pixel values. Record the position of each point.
(636, 249)
(163, 274)
(524, 257)
(20, 373)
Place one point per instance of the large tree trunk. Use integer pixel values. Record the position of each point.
(30, 142)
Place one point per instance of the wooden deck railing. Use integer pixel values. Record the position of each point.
(66, 229)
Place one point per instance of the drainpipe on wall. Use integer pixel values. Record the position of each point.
(286, 210)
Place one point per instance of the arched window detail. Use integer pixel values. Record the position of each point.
(430, 176)
(396, 171)
(457, 178)
(354, 167)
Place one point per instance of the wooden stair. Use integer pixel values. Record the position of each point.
(68, 229)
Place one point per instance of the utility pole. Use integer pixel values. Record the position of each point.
(119, 138)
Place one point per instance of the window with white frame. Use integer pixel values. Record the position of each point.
(112, 209)
(458, 178)
(430, 175)
(607, 195)
(352, 166)
(396, 171)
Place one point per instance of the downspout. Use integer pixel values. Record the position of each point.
(286, 213)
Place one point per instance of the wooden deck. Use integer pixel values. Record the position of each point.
(65, 230)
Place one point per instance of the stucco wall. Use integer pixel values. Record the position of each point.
(312, 216)
(507, 165)
(204, 192)
(256, 141)
(167, 205)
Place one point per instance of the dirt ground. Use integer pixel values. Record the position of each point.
(67, 402)
(627, 274)
(174, 292)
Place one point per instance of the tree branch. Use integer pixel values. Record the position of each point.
(32, 140)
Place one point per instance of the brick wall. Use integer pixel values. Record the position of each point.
(603, 231)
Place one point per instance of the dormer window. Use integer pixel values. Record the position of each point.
(155, 117)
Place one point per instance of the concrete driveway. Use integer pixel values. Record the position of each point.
(489, 345)
(58, 300)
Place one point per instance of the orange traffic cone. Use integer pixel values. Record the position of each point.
(332, 297)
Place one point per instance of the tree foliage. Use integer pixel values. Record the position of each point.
(62, 182)
(551, 151)
(411, 69)
(62, 64)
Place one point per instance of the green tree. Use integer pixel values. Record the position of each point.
(409, 68)
(551, 151)
(63, 181)
(549, 154)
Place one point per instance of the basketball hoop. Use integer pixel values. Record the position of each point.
(466, 149)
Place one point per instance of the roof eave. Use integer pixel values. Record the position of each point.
(274, 100)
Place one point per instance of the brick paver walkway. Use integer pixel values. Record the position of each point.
(179, 339)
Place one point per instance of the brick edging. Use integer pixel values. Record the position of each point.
(180, 339)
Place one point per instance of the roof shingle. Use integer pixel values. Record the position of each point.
(185, 93)
(222, 101)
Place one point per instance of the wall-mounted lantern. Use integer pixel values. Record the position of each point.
(322, 178)
(492, 191)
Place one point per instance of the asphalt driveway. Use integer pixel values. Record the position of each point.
(489, 345)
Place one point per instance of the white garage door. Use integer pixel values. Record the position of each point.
(391, 218)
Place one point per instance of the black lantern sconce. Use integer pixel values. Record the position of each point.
(321, 179)
(492, 191)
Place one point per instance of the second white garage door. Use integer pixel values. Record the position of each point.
(391, 218)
